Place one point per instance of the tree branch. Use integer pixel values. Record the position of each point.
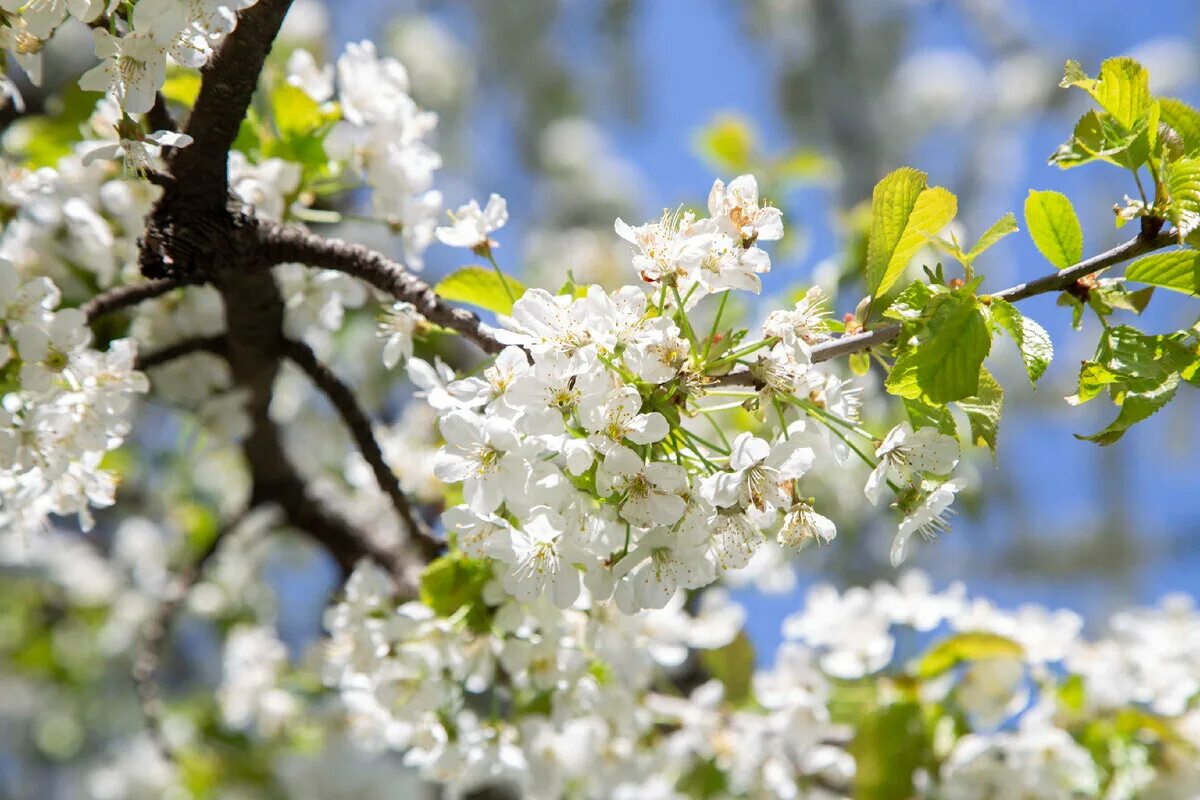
(1054, 282)
(124, 296)
(200, 344)
(227, 85)
(284, 244)
(355, 418)
(159, 116)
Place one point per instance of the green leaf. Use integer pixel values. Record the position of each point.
(983, 411)
(453, 581)
(40, 140)
(1000, 228)
(963, 647)
(1122, 88)
(889, 745)
(480, 286)
(949, 360)
(733, 665)
(1135, 407)
(928, 415)
(803, 166)
(1181, 178)
(1184, 120)
(910, 304)
(902, 380)
(294, 112)
(904, 213)
(1054, 227)
(1031, 338)
(1178, 270)
(728, 142)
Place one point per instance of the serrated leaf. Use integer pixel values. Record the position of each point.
(728, 142)
(1093, 379)
(1031, 338)
(983, 411)
(903, 214)
(1181, 178)
(1054, 227)
(910, 303)
(1178, 270)
(963, 647)
(957, 341)
(934, 209)
(1135, 407)
(928, 415)
(1184, 120)
(1000, 228)
(902, 380)
(1122, 87)
(733, 665)
(480, 286)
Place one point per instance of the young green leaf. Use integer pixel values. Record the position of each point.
(1135, 407)
(1055, 228)
(480, 286)
(1178, 270)
(1122, 88)
(983, 411)
(1184, 120)
(928, 415)
(1182, 181)
(728, 142)
(1000, 228)
(904, 213)
(1031, 338)
(962, 647)
(958, 340)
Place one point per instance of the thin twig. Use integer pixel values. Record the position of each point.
(200, 344)
(1056, 281)
(154, 637)
(124, 296)
(356, 419)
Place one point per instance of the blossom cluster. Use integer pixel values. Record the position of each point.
(572, 705)
(65, 405)
(578, 447)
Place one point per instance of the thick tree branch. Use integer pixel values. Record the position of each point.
(227, 85)
(200, 344)
(125, 296)
(343, 400)
(283, 244)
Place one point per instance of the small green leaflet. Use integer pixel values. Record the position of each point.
(1122, 88)
(1031, 338)
(728, 142)
(957, 341)
(1182, 181)
(1184, 120)
(1054, 227)
(1135, 407)
(1178, 270)
(927, 415)
(983, 411)
(904, 213)
(1000, 228)
(480, 286)
(1141, 372)
(963, 647)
